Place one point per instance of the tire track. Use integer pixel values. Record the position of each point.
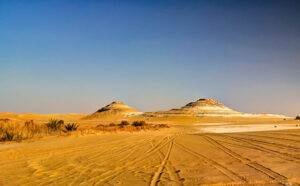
(225, 171)
(256, 166)
(268, 143)
(284, 135)
(126, 149)
(249, 145)
(34, 162)
(116, 172)
(173, 175)
(289, 133)
(68, 151)
(161, 167)
(261, 182)
(272, 137)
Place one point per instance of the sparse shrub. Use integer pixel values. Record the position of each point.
(29, 124)
(297, 118)
(5, 120)
(10, 132)
(55, 124)
(7, 136)
(138, 123)
(100, 126)
(32, 129)
(71, 126)
(124, 123)
(163, 126)
(112, 125)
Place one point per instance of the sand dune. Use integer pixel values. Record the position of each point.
(41, 117)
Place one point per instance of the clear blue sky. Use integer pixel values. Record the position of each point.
(76, 56)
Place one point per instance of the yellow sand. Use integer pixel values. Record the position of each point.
(182, 155)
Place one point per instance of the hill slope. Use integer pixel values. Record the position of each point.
(207, 107)
(115, 108)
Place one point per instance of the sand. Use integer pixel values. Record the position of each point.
(180, 155)
(229, 128)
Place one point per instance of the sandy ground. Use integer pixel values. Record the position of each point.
(230, 128)
(175, 156)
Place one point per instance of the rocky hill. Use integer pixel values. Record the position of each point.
(209, 108)
(204, 106)
(200, 108)
(113, 109)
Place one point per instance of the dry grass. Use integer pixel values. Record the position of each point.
(71, 126)
(55, 124)
(125, 126)
(14, 131)
(17, 131)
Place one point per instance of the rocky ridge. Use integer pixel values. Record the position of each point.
(201, 108)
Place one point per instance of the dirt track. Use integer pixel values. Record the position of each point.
(169, 157)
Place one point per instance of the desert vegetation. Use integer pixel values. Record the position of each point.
(16, 131)
(133, 127)
(59, 125)
(71, 126)
(297, 118)
(138, 123)
(55, 124)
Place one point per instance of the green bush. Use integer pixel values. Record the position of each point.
(55, 124)
(71, 126)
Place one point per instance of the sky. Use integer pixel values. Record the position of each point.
(77, 56)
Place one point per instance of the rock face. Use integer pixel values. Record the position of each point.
(208, 108)
(200, 108)
(204, 107)
(115, 108)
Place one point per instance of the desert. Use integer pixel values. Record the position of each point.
(227, 149)
(149, 92)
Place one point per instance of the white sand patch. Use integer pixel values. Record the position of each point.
(205, 124)
(249, 128)
(210, 108)
(133, 113)
(245, 115)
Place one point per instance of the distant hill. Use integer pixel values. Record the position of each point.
(207, 108)
(115, 108)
